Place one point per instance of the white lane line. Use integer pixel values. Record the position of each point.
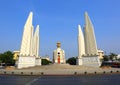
(31, 82)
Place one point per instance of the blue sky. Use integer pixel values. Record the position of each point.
(58, 20)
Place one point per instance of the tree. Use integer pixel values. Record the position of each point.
(105, 58)
(71, 61)
(113, 56)
(7, 58)
(45, 62)
(0, 58)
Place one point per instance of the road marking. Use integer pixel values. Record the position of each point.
(31, 82)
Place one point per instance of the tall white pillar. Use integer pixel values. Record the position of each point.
(81, 46)
(26, 46)
(36, 42)
(90, 40)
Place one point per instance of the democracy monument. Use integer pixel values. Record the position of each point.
(28, 60)
(29, 51)
(87, 47)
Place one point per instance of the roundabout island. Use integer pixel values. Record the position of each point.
(59, 70)
(28, 61)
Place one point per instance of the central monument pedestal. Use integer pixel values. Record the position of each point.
(92, 60)
(59, 55)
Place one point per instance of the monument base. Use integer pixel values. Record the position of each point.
(61, 62)
(38, 61)
(91, 61)
(79, 61)
(28, 61)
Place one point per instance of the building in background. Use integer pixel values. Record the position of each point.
(100, 54)
(46, 57)
(16, 55)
